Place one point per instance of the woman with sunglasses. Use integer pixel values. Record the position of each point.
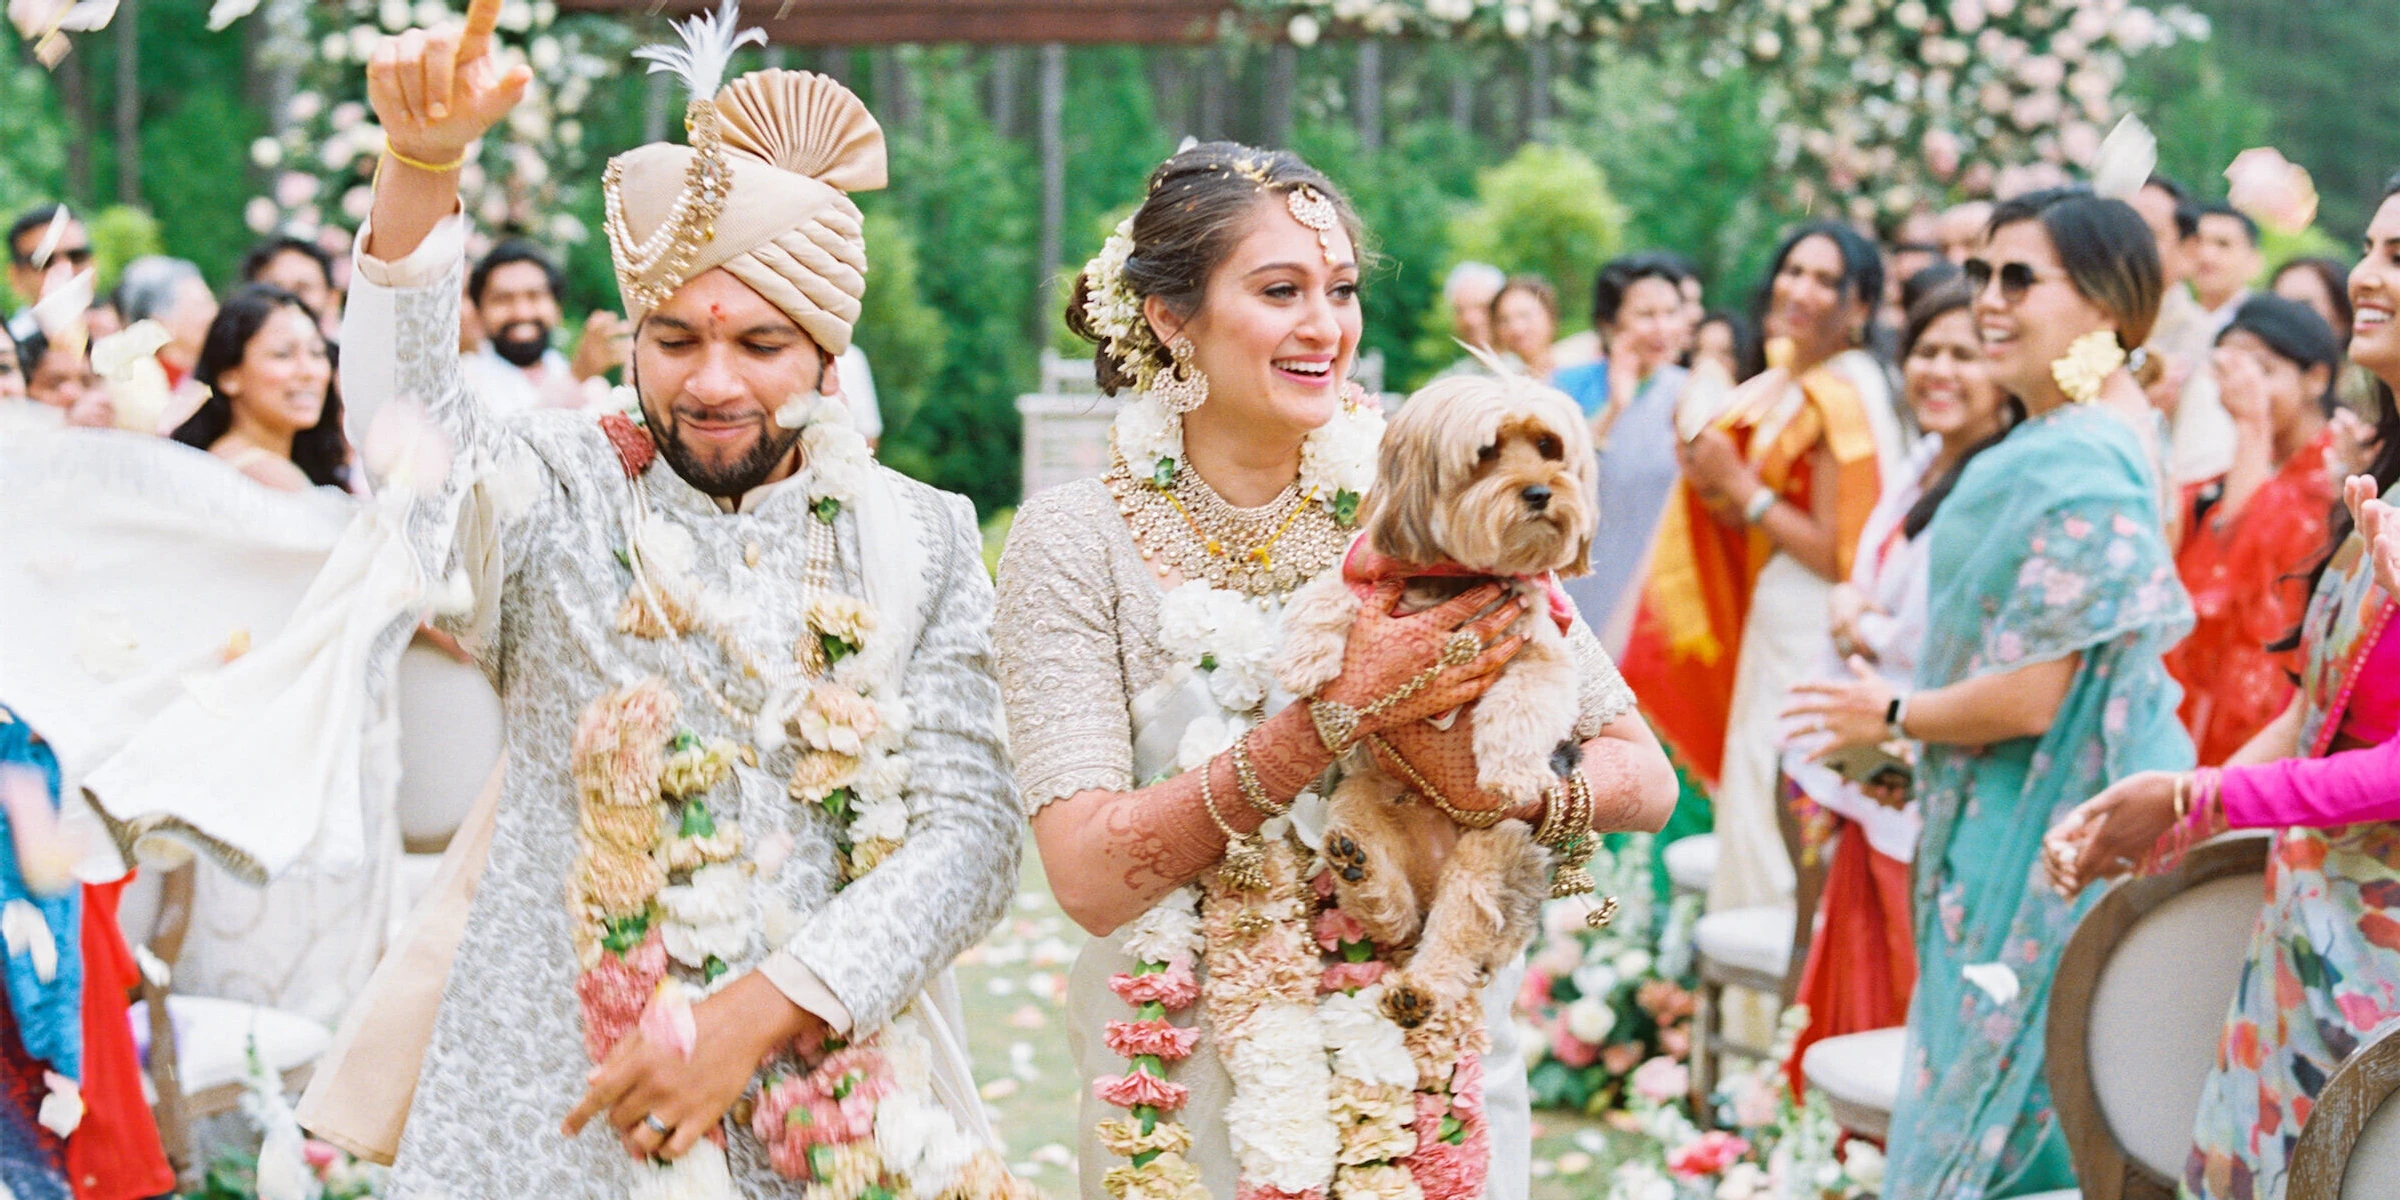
(2052, 599)
(2325, 775)
(2251, 533)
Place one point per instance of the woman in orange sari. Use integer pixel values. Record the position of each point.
(1775, 491)
(2251, 533)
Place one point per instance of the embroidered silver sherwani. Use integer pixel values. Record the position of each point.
(533, 516)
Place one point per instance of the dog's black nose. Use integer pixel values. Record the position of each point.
(1536, 497)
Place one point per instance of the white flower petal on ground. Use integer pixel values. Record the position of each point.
(1996, 980)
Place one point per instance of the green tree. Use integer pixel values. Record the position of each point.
(2202, 113)
(1548, 211)
(966, 193)
(902, 336)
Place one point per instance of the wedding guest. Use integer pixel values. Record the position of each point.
(2325, 775)
(2200, 435)
(2225, 258)
(301, 267)
(1469, 290)
(171, 292)
(1862, 962)
(1774, 495)
(1629, 398)
(2320, 283)
(1727, 339)
(1959, 231)
(2250, 534)
(2052, 597)
(12, 375)
(271, 409)
(515, 293)
(58, 372)
(1525, 324)
(29, 273)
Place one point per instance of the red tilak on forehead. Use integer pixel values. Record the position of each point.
(716, 312)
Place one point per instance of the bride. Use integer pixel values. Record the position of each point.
(1231, 1026)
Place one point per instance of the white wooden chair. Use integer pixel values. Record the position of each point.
(2349, 1148)
(1758, 949)
(2137, 1010)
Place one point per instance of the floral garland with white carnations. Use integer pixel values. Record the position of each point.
(1331, 1097)
(663, 902)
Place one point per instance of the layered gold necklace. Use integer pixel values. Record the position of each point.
(1187, 529)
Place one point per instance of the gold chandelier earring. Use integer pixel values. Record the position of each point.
(1182, 386)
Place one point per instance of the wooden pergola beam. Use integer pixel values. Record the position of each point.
(986, 22)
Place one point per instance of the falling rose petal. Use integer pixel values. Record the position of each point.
(25, 931)
(56, 231)
(405, 449)
(667, 1020)
(115, 356)
(1996, 980)
(59, 313)
(226, 12)
(62, 1110)
(45, 856)
(2127, 157)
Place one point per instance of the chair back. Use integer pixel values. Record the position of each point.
(2350, 1147)
(2137, 1009)
(1809, 868)
(450, 735)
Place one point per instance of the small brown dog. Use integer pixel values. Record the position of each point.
(1481, 479)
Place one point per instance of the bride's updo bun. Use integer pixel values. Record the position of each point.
(1193, 214)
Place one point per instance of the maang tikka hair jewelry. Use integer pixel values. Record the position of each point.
(1183, 386)
(1312, 208)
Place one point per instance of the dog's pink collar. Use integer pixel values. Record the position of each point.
(1363, 567)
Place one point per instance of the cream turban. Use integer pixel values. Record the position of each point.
(794, 144)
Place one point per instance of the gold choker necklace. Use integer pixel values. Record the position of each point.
(1187, 529)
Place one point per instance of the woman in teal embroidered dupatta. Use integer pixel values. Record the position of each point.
(2053, 599)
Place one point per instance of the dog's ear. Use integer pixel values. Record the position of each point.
(1399, 513)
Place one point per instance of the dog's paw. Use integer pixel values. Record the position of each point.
(1347, 858)
(1407, 1004)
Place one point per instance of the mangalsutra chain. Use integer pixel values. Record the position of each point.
(1187, 529)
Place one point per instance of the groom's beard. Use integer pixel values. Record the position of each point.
(725, 481)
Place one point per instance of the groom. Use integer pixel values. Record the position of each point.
(733, 567)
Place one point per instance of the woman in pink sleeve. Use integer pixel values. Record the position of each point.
(2325, 957)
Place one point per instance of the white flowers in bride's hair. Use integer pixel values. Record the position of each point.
(1169, 930)
(1114, 312)
(1367, 1045)
(2127, 157)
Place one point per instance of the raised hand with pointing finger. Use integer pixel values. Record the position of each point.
(435, 91)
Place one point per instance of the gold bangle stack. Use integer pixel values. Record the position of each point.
(1566, 829)
(1253, 791)
(1337, 723)
(1245, 865)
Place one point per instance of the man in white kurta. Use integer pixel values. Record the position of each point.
(539, 523)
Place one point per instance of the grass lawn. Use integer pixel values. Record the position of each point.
(1015, 987)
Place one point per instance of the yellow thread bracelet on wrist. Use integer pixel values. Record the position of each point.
(422, 165)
